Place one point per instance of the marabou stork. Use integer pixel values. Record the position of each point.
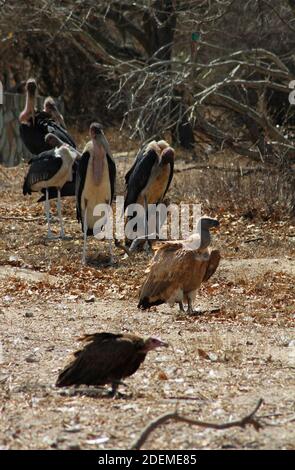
(35, 125)
(95, 182)
(107, 358)
(50, 170)
(150, 176)
(179, 267)
(50, 108)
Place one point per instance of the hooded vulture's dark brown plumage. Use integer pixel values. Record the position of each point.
(107, 358)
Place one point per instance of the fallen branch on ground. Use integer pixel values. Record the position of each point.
(24, 219)
(242, 423)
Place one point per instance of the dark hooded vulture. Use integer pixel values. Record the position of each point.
(51, 170)
(35, 125)
(95, 182)
(179, 267)
(107, 358)
(150, 176)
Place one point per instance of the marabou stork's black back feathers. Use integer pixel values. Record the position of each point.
(137, 177)
(42, 168)
(33, 136)
(105, 358)
(80, 181)
(68, 189)
(112, 175)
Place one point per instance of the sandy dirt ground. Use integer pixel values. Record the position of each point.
(218, 365)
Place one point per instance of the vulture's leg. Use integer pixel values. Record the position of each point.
(190, 309)
(146, 245)
(181, 307)
(114, 391)
(50, 235)
(85, 236)
(62, 232)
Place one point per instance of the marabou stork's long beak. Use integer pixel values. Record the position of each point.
(31, 97)
(99, 152)
(29, 111)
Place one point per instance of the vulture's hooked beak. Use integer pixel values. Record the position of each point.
(153, 343)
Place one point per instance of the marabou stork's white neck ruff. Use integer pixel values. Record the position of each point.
(95, 182)
(51, 169)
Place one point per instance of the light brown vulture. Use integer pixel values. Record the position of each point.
(178, 268)
(107, 358)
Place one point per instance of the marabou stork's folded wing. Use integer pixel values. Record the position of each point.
(102, 359)
(137, 177)
(33, 136)
(42, 168)
(48, 125)
(68, 189)
(112, 174)
(81, 172)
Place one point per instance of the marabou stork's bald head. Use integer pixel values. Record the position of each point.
(96, 130)
(98, 137)
(31, 87)
(29, 111)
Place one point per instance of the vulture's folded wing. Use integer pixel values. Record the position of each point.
(171, 265)
(212, 264)
(102, 359)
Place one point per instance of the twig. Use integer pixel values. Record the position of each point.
(24, 219)
(242, 423)
(256, 239)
